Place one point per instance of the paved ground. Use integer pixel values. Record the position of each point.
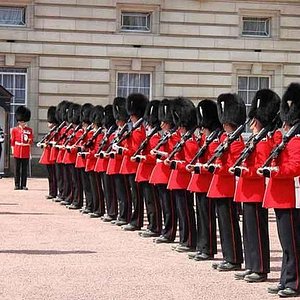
(49, 252)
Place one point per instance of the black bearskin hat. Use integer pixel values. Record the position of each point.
(151, 113)
(207, 115)
(51, 115)
(136, 104)
(85, 112)
(290, 105)
(164, 112)
(231, 109)
(97, 115)
(108, 119)
(184, 113)
(74, 113)
(119, 109)
(264, 106)
(23, 114)
(61, 109)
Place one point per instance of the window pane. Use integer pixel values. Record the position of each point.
(242, 83)
(253, 83)
(12, 16)
(122, 79)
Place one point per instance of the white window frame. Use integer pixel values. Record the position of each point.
(272, 15)
(140, 73)
(148, 16)
(24, 9)
(13, 104)
(268, 23)
(248, 101)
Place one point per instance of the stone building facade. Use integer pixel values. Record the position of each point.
(93, 50)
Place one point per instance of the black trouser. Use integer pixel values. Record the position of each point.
(137, 217)
(230, 233)
(123, 196)
(110, 196)
(68, 183)
(256, 237)
(86, 184)
(77, 192)
(150, 195)
(168, 206)
(206, 225)
(52, 180)
(21, 167)
(60, 179)
(186, 216)
(97, 192)
(288, 227)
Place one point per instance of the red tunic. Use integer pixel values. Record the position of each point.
(146, 166)
(200, 183)
(250, 186)
(223, 183)
(114, 164)
(282, 189)
(71, 153)
(21, 140)
(180, 177)
(131, 144)
(91, 159)
(80, 160)
(60, 151)
(161, 172)
(102, 162)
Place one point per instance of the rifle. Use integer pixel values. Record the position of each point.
(144, 143)
(87, 130)
(213, 135)
(70, 137)
(180, 144)
(164, 138)
(279, 148)
(108, 133)
(225, 145)
(91, 140)
(137, 124)
(54, 130)
(251, 144)
(115, 139)
(63, 136)
(249, 149)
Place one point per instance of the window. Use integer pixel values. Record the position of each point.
(135, 21)
(15, 81)
(253, 26)
(128, 83)
(12, 16)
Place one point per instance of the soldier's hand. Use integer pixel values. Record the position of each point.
(267, 171)
(239, 171)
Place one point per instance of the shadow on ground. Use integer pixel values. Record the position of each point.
(46, 252)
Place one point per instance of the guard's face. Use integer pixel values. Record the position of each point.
(22, 124)
(165, 126)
